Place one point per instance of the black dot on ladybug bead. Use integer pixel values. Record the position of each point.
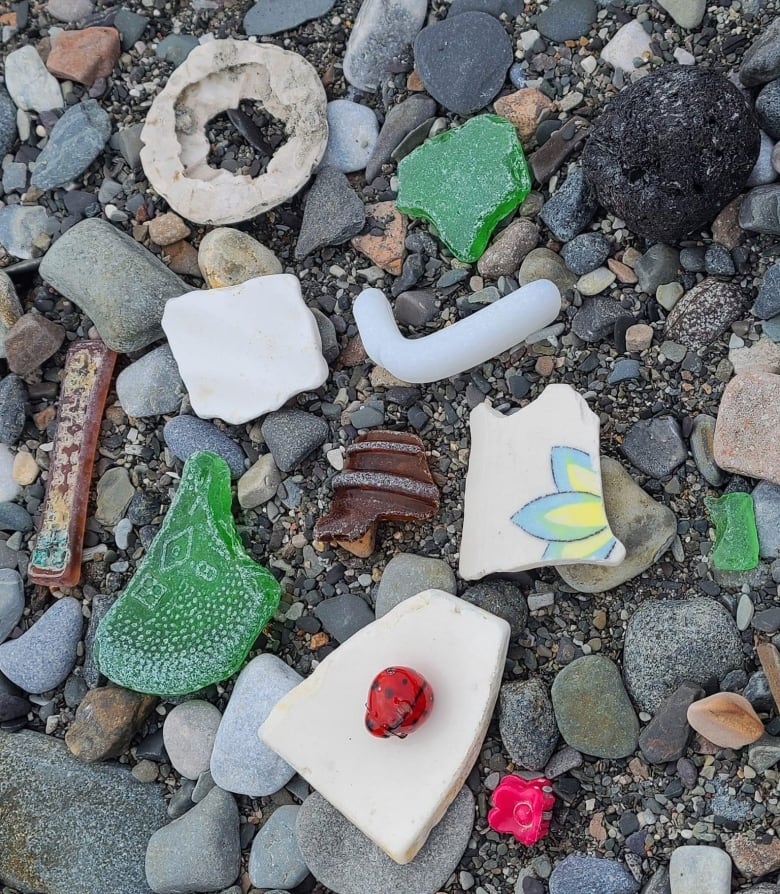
(405, 681)
(389, 692)
(375, 685)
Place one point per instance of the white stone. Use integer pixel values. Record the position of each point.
(396, 790)
(217, 76)
(246, 350)
(683, 57)
(29, 82)
(8, 486)
(629, 43)
(352, 133)
(533, 490)
(687, 13)
(467, 343)
(695, 869)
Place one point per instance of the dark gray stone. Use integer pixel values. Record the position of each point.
(13, 704)
(579, 874)
(671, 150)
(501, 598)
(595, 320)
(658, 265)
(760, 210)
(44, 844)
(623, 370)
(273, 16)
(8, 132)
(670, 642)
(185, 435)
(406, 575)
(75, 142)
(416, 308)
(343, 859)
(463, 60)
(130, 26)
(701, 442)
(761, 62)
(768, 302)
(152, 385)
(343, 615)
(400, 121)
(586, 252)
(566, 19)
(571, 208)
(767, 621)
(291, 435)
(128, 142)
(333, 213)
(692, 259)
(655, 446)
(496, 8)
(175, 48)
(101, 603)
(766, 503)
(718, 261)
(666, 737)
(13, 409)
(704, 313)
(527, 724)
(14, 517)
(328, 337)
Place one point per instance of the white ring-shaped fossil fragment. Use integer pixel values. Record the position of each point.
(216, 77)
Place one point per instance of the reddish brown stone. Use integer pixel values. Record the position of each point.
(769, 657)
(385, 248)
(182, 258)
(31, 341)
(523, 109)
(754, 857)
(84, 56)
(725, 228)
(106, 721)
(622, 271)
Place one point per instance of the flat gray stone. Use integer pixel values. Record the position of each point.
(188, 733)
(658, 265)
(701, 442)
(578, 874)
(501, 598)
(11, 601)
(766, 503)
(527, 724)
(333, 213)
(241, 762)
(655, 446)
(291, 435)
(407, 575)
(273, 16)
(760, 210)
(186, 435)
(343, 859)
(120, 285)
(152, 385)
(399, 122)
(114, 492)
(761, 62)
(100, 838)
(20, 226)
(275, 860)
(567, 19)
(352, 134)
(75, 142)
(344, 615)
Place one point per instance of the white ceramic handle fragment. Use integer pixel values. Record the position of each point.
(466, 344)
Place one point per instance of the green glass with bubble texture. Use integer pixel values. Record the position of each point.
(736, 536)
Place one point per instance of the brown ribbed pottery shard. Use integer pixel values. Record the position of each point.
(726, 719)
(56, 559)
(385, 478)
(769, 657)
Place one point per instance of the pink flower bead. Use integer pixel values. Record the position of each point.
(522, 807)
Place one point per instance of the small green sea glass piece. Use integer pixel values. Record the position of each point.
(197, 602)
(736, 537)
(464, 182)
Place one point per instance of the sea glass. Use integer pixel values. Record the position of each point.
(736, 536)
(197, 602)
(465, 181)
(385, 478)
(56, 558)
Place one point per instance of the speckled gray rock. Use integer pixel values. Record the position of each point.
(343, 859)
(501, 598)
(399, 122)
(11, 601)
(152, 385)
(106, 807)
(527, 724)
(14, 517)
(407, 575)
(580, 874)
(241, 762)
(761, 62)
(188, 434)
(273, 16)
(13, 409)
(596, 318)
(571, 207)
(666, 737)
(608, 727)
(655, 446)
(189, 732)
(344, 615)
(766, 503)
(760, 210)
(767, 303)
(75, 142)
(704, 312)
(8, 132)
(291, 435)
(120, 285)
(586, 252)
(275, 860)
(669, 642)
(10, 308)
(333, 213)
(42, 657)
(13, 704)
(198, 852)
(20, 228)
(645, 527)
(352, 135)
(567, 19)
(463, 60)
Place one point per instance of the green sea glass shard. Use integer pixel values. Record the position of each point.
(736, 537)
(464, 182)
(197, 603)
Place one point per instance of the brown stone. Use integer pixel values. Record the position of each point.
(769, 657)
(726, 719)
(182, 258)
(523, 109)
(622, 271)
(639, 337)
(165, 229)
(382, 242)
(507, 251)
(747, 431)
(414, 82)
(550, 157)
(353, 353)
(31, 341)
(84, 56)
(545, 366)
(725, 228)
(754, 857)
(666, 737)
(106, 721)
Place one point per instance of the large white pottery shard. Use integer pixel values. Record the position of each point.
(396, 790)
(245, 350)
(533, 489)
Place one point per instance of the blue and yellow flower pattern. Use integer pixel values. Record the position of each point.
(572, 520)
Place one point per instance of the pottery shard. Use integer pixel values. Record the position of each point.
(215, 77)
(769, 657)
(704, 312)
(726, 719)
(523, 109)
(84, 56)
(383, 239)
(385, 478)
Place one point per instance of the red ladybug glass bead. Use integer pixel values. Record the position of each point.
(399, 701)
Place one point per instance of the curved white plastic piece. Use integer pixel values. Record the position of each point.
(466, 344)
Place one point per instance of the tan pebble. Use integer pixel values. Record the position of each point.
(168, 228)
(726, 719)
(25, 469)
(523, 109)
(229, 257)
(623, 272)
(545, 366)
(414, 82)
(639, 337)
(630, 257)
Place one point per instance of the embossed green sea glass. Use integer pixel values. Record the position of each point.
(736, 537)
(465, 181)
(197, 603)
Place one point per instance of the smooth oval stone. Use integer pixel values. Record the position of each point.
(11, 601)
(406, 575)
(593, 710)
(42, 657)
(567, 19)
(229, 257)
(30, 84)
(578, 874)
(700, 868)
(275, 860)
(527, 723)
(352, 135)
(151, 386)
(14, 517)
(463, 60)
(74, 143)
(186, 435)
(273, 16)
(726, 719)
(189, 733)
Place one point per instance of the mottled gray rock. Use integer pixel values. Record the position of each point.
(586, 252)
(343, 859)
(407, 575)
(655, 446)
(352, 135)
(541, 263)
(764, 754)
(14, 517)
(761, 62)
(198, 852)
(666, 737)
(579, 874)
(42, 657)
(11, 601)
(595, 320)
(114, 492)
(120, 285)
(13, 409)
(291, 435)
(152, 385)
(669, 642)
(333, 213)
(20, 228)
(703, 313)
(571, 207)
(399, 122)
(275, 860)
(8, 132)
(44, 844)
(767, 303)
(527, 724)
(760, 210)
(701, 441)
(185, 435)
(273, 16)
(344, 615)
(501, 598)
(766, 503)
(75, 142)
(10, 308)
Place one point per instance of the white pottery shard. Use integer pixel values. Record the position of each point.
(245, 350)
(215, 77)
(533, 490)
(396, 790)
